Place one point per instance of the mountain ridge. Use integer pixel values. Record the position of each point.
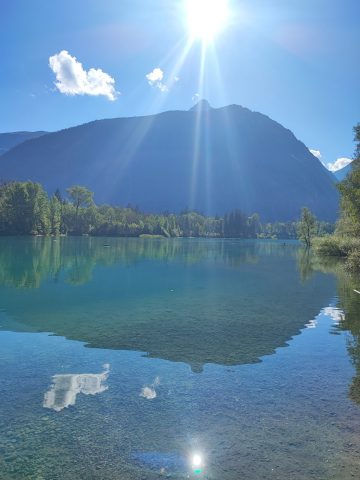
(342, 172)
(212, 160)
(9, 140)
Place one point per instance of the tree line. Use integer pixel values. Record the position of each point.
(26, 209)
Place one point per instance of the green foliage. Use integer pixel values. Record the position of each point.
(350, 203)
(357, 146)
(80, 196)
(55, 215)
(346, 240)
(349, 188)
(307, 227)
(82, 200)
(336, 245)
(285, 230)
(239, 225)
(353, 260)
(26, 209)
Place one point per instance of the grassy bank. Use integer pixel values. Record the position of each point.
(340, 246)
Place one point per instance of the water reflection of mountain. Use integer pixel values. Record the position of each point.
(195, 301)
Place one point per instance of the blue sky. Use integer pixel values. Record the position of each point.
(297, 61)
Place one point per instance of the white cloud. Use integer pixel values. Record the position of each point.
(338, 164)
(155, 79)
(335, 314)
(72, 79)
(333, 167)
(155, 76)
(316, 153)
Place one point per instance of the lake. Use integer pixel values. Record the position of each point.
(176, 358)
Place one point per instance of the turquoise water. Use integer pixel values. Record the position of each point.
(146, 359)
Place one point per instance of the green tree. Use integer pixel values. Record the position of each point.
(24, 209)
(80, 197)
(55, 215)
(58, 195)
(41, 209)
(349, 223)
(236, 224)
(307, 226)
(253, 225)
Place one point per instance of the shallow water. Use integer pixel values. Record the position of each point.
(242, 352)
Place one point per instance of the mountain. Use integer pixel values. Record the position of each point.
(10, 140)
(342, 173)
(212, 160)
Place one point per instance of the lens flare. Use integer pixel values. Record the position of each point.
(206, 18)
(196, 464)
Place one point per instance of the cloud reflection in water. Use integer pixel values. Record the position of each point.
(66, 387)
(149, 392)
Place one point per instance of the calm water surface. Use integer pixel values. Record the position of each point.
(134, 359)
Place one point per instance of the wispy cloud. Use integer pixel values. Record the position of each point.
(155, 79)
(72, 79)
(332, 166)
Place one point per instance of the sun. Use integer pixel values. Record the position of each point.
(206, 18)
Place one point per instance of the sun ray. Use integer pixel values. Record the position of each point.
(197, 131)
(138, 135)
(228, 126)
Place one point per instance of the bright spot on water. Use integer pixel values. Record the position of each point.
(196, 463)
